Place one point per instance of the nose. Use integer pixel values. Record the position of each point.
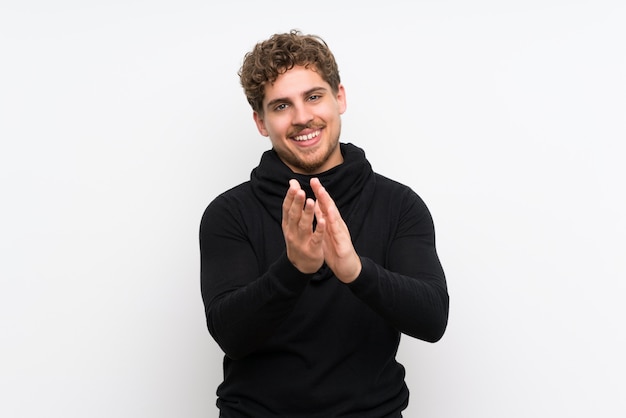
(302, 115)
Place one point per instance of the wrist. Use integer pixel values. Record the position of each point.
(354, 274)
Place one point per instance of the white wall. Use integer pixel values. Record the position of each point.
(121, 120)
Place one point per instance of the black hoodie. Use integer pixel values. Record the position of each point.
(299, 345)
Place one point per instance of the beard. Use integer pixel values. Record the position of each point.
(304, 165)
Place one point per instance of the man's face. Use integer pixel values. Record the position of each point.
(302, 117)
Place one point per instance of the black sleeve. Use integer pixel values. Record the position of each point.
(243, 306)
(411, 293)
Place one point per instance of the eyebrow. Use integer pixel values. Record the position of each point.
(304, 94)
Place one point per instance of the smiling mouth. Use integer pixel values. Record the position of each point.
(307, 137)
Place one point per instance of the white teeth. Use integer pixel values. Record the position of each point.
(306, 137)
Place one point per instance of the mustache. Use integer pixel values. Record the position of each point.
(295, 131)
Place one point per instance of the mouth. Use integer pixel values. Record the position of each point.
(307, 137)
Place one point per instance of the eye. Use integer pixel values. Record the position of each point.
(280, 107)
(314, 97)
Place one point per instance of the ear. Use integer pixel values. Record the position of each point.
(260, 123)
(341, 99)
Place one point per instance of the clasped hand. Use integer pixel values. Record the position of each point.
(330, 242)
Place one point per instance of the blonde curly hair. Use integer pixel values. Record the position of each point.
(280, 53)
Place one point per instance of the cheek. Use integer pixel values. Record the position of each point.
(278, 126)
(333, 115)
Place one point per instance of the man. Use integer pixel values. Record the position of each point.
(312, 268)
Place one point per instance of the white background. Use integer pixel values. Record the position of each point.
(121, 120)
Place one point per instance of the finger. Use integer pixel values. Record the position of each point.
(319, 214)
(306, 217)
(326, 203)
(291, 192)
(321, 220)
(320, 230)
(317, 187)
(315, 183)
(296, 210)
(290, 196)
